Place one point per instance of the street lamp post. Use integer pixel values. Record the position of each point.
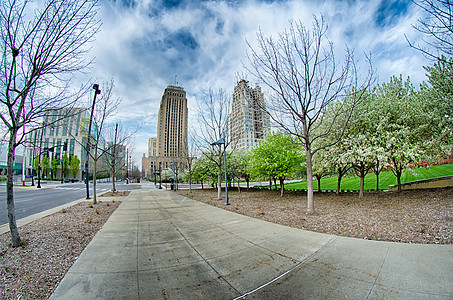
(222, 142)
(127, 166)
(97, 91)
(61, 162)
(39, 157)
(173, 164)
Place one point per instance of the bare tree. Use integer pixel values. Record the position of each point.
(189, 156)
(105, 108)
(305, 78)
(41, 49)
(214, 111)
(117, 138)
(438, 28)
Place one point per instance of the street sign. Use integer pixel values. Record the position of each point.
(84, 127)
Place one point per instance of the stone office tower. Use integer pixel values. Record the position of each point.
(172, 128)
(249, 121)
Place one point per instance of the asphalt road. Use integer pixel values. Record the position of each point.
(31, 200)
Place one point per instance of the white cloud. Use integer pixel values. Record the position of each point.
(144, 46)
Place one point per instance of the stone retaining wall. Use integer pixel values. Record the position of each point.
(439, 182)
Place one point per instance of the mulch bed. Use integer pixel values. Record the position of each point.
(416, 216)
(49, 248)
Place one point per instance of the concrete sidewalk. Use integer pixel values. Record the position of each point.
(159, 245)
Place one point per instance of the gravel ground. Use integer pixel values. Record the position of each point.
(417, 216)
(50, 246)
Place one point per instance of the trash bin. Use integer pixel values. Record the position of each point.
(138, 180)
(172, 186)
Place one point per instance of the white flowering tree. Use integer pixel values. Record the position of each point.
(321, 166)
(362, 144)
(403, 125)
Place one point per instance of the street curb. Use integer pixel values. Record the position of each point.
(27, 220)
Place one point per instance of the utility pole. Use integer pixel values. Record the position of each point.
(97, 91)
(114, 159)
(39, 157)
(33, 162)
(127, 166)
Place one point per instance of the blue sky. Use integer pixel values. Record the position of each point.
(143, 44)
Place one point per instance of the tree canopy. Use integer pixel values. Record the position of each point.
(277, 156)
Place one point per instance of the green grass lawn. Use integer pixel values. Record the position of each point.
(352, 183)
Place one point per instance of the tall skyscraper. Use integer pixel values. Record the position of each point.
(172, 123)
(170, 146)
(249, 121)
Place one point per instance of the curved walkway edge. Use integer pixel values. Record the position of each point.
(160, 245)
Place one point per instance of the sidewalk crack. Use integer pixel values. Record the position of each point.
(379, 273)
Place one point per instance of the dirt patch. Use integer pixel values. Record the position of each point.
(115, 194)
(50, 246)
(416, 216)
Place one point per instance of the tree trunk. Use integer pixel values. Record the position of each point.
(15, 238)
(202, 187)
(190, 181)
(113, 175)
(114, 160)
(398, 180)
(310, 200)
(377, 171)
(398, 172)
(94, 173)
(362, 183)
(94, 184)
(339, 184)
(319, 183)
(113, 181)
(239, 186)
(275, 183)
(270, 183)
(377, 182)
(282, 186)
(219, 181)
(248, 182)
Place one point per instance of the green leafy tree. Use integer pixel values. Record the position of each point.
(74, 166)
(237, 166)
(36, 164)
(45, 165)
(203, 170)
(65, 165)
(54, 163)
(243, 158)
(277, 156)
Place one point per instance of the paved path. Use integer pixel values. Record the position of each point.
(159, 245)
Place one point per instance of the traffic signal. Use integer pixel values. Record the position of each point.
(65, 146)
